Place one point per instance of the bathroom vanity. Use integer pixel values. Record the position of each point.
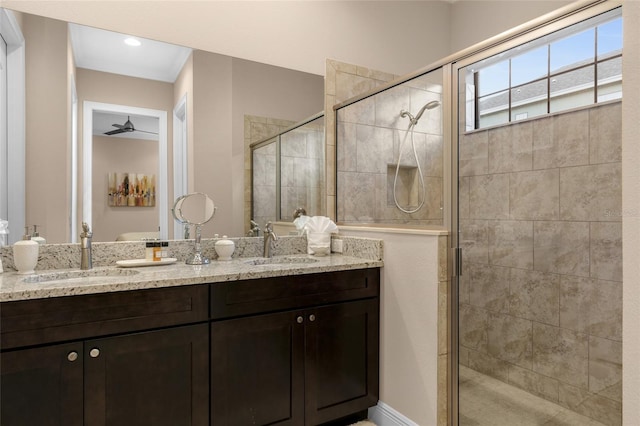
(232, 344)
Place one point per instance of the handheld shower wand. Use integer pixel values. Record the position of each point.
(414, 120)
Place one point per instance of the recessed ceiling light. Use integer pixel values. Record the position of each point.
(132, 41)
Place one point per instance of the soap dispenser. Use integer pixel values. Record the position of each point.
(36, 236)
(25, 254)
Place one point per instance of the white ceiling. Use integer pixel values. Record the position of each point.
(106, 51)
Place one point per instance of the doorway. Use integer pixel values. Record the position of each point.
(89, 108)
(12, 159)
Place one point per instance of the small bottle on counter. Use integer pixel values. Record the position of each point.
(160, 251)
(150, 249)
(156, 250)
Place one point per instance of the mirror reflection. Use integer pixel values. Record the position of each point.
(194, 210)
(203, 143)
(288, 172)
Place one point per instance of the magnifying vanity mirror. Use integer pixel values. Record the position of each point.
(194, 210)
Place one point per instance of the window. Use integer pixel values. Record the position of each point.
(576, 66)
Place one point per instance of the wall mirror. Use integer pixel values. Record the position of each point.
(60, 177)
(289, 172)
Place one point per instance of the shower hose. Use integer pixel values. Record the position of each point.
(395, 179)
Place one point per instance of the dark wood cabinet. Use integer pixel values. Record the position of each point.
(257, 370)
(155, 378)
(149, 378)
(42, 386)
(138, 355)
(294, 350)
(341, 363)
(295, 367)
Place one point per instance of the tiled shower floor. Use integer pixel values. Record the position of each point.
(485, 401)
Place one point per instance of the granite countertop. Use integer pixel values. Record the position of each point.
(68, 282)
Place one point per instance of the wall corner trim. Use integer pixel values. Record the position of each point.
(384, 415)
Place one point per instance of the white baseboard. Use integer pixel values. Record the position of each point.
(383, 415)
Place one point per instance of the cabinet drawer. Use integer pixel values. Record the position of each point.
(236, 298)
(34, 322)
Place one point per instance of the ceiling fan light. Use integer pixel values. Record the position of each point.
(132, 42)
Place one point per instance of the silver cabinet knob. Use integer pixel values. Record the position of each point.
(300, 319)
(94, 353)
(72, 356)
(312, 318)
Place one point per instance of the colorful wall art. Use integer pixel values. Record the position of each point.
(132, 190)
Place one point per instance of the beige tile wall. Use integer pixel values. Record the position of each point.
(372, 136)
(541, 231)
(443, 331)
(257, 129)
(343, 81)
(302, 169)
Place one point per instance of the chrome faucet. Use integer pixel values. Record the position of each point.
(86, 262)
(254, 231)
(269, 236)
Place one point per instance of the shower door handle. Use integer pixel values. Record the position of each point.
(457, 261)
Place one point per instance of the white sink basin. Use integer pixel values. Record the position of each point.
(79, 274)
(281, 261)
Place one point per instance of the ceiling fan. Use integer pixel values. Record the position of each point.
(126, 127)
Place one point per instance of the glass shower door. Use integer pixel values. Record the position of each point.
(539, 225)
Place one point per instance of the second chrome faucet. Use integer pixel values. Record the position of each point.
(86, 261)
(269, 237)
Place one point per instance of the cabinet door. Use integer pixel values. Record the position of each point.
(257, 370)
(42, 386)
(152, 378)
(341, 370)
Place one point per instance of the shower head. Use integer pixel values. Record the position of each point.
(430, 105)
(414, 120)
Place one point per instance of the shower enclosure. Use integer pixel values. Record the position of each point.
(539, 196)
(288, 172)
(534, 138)
(390, 156)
